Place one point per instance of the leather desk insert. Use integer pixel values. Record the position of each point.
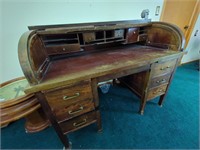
(64, 64)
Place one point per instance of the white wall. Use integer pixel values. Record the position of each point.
(1, 49)
(193, 47)
(18, 14)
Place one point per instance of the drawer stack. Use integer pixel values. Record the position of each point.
(159, 79)
(151, 83)
(73, 106)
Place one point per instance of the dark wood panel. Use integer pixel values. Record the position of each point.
(37, 53)
(65, 96)
(63, 49)
(157, 91)
(78, 122)
(76, 109)
(163, 67)
(163, 79)
(132, 35)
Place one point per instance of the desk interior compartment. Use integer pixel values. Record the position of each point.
(61, 43)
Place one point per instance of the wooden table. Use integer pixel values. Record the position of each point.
(15, 104)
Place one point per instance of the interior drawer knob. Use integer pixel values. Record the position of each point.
(70, 97)
(75, 111)
(79, 123)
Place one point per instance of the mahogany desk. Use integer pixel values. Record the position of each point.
(65, 63)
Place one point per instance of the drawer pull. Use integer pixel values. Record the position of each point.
(164, 68)
(158, 91)
(79, 123)
(161, 81)
(70, 97)
(76, 111)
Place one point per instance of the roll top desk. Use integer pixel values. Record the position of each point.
(65, 63)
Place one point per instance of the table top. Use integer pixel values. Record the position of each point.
(73, 69)
(13, 90)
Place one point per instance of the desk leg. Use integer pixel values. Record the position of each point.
(99, 126)
(47, 110)
(161, 99)
(143, 103)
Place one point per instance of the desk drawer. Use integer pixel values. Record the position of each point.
(66, 96)
(74, 110)
(78, 122)
(65, 48)
(157, 91)
(163, 67)
(163, 79)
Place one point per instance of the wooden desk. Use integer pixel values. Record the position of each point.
(65, 63)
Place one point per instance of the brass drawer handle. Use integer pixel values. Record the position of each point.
(79, 123)
(158, 91)
(161, 81)
(76, 111)
(164, 68)
(70, 97)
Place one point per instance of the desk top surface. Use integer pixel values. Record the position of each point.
(74, 69)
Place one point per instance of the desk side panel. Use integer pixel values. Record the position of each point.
(162, 34)
(32, 57)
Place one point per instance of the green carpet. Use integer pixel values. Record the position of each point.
(174, 126)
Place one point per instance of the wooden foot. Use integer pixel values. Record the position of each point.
(161, 100)
(141, 112)
(100, 130)
(68, 148)
(99, 125)
(142, 105)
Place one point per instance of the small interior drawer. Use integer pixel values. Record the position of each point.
(132, 35)
(78, 122)
(163, 67)
(65, 96)
(89, 37)
(159, 80)
(157, 91)
(73, 110)
(63, 48)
